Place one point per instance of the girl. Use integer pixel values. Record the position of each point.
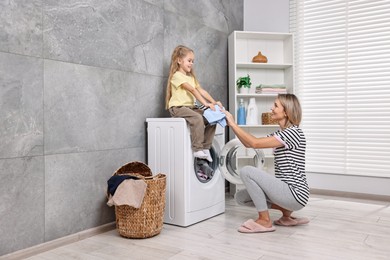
(287, 191)
(183, 90)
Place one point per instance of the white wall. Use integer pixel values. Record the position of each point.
(266, 15)
(273, 16)
(347, 183)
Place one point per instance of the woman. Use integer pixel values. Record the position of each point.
(287, 191)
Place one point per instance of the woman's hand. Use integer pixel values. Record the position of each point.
(229, 117)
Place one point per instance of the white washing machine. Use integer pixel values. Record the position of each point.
(189, 198)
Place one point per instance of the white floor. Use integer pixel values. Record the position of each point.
(339, 229)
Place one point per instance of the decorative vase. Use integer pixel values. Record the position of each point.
(260, 58)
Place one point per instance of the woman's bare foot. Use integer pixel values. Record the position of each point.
(264, 223)
(291, 221)
(286, 221)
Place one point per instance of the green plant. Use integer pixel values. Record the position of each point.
(244, 82)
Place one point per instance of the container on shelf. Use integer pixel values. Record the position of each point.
(241, 115)
(266, 119)
(252, 116)
(243, 90)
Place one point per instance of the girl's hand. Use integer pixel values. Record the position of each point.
(211, 106)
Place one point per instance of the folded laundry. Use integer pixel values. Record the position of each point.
(216, 116)
(271, 90)
(271, 86)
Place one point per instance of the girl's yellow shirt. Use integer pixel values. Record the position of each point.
(180, 96)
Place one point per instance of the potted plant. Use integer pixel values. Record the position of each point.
(243, 84)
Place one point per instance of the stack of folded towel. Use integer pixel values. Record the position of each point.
(270, 89)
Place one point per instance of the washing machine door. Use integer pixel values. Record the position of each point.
(234, 156)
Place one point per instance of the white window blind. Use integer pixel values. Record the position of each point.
(342, 77)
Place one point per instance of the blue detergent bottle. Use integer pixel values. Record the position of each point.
(241, 117)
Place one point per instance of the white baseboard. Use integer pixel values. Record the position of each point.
(353, 195)
(31, 251)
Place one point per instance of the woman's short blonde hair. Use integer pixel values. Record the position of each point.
(292, 108)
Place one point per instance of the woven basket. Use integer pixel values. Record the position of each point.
(146, 221)
(266, 119)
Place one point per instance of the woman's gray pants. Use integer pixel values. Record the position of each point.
(263, 190)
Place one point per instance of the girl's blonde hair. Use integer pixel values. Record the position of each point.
(292, 108)
(178, 53)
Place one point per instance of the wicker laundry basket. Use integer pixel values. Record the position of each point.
(146, 221)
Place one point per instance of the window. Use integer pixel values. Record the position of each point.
(342, 77)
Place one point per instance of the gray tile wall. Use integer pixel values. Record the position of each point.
(77, 81)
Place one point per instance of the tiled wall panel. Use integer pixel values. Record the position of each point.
(77, 81)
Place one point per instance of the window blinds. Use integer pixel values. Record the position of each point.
(342, 77)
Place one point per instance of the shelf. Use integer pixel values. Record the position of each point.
(278, 48)
(251, 65)
(257, 95)
(258, 126)
(261, 35)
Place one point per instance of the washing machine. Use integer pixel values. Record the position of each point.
(190, 198)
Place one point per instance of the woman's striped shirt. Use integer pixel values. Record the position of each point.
(290, 162)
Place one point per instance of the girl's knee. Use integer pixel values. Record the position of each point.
(197, 120)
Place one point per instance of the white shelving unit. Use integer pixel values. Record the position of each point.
(278, 48)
